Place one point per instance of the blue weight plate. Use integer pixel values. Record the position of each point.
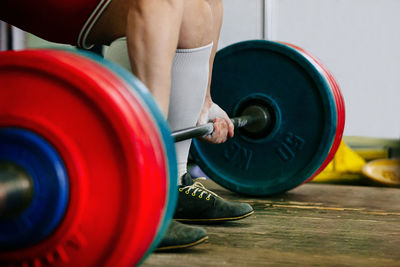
(50, 188)
(303, 119)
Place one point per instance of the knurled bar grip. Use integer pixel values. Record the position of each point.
(207, 129)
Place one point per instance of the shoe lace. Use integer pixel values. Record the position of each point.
(199, 187)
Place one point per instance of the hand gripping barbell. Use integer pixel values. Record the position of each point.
(87, 162)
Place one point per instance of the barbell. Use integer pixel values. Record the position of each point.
(306, 117)
(87, 161)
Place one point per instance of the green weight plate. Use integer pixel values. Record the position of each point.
(302, 112)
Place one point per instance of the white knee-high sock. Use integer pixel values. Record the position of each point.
(189, 79)
(190, 71)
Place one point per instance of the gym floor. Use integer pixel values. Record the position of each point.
(313, 224)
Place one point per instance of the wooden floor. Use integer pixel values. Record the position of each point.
(326, 225)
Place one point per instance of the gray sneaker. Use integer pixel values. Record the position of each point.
(180, 236)
(198, 204)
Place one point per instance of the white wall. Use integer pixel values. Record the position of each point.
(358, 40)
(243, 20)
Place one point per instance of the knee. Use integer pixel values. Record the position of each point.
(197, 24)
(214, 2)
(217, 7)
(144, 6)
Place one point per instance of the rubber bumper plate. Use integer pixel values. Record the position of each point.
(114, 148)
(302, 112)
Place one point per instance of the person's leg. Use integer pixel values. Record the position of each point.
(186, 103)
(217, 16)
(189, 71)
(152, 29)
(196, 203)
(190, 74)
(189, 79)
(178, 118)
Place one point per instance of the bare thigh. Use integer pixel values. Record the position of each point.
(197, 24)
(196, 28)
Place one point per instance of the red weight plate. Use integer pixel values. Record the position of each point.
(340, 110)
(111, 148)
(341, 116)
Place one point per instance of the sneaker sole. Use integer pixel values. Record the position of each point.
(176, 247)
(216, 219)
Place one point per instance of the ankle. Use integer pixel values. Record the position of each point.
(182, 170)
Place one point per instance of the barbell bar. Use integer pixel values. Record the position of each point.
(254, 120)
(16, 190)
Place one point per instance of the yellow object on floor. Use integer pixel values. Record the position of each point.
(369, 154)
(383, 171)
(345, 167)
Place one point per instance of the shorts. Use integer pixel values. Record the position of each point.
(60, 21)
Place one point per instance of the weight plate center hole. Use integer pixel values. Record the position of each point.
(263, 119)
